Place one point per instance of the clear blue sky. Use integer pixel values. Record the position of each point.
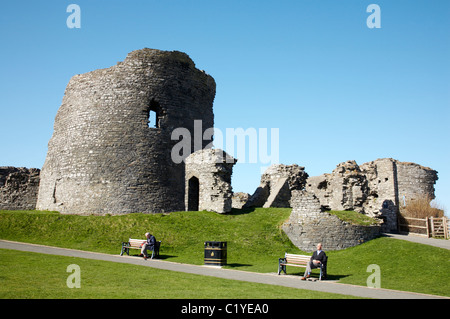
(334, 88)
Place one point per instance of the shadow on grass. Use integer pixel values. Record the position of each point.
(242, 211)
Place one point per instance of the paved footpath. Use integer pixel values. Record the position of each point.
(441, 243)
(271, 279)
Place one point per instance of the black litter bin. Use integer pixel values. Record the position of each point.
(215, 253)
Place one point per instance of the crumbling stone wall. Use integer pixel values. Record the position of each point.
(18, 187)
(414, 181)
(104, 157)
(344, 189)
(208, 181)
(373, 188)
(309, 224)
(276, 185)
(239, 199)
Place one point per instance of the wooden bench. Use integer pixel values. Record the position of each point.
(296, 261)
(137, 244)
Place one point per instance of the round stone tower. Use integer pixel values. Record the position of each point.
(110, 152)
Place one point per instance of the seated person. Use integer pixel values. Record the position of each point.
(148, 244)
(317, 259)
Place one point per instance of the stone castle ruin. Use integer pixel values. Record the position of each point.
(208, 181)
(309, 224)
(276, 185)
(111, 152)
(375, 188)
(105, 156)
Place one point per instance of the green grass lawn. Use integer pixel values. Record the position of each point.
(253, 237)
(255, 242)
(31, 275)
(354, 217)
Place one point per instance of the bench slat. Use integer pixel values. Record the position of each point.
(296, 260)
(135, 243)
(293, 265)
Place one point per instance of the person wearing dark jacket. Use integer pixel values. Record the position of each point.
(148, 244)
(318, 259)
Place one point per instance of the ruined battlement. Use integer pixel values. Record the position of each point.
(110, 152)
(276, 185)
(374, 188)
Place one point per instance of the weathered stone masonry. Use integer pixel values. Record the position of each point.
(104, 157)
(208, 181)
(276, 185)
(309, 224)
(375, 188)
(18, 187)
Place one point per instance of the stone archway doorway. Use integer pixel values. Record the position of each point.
(193, 193)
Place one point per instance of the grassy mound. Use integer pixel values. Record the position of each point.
(255, 242)
(353, 217)
(252, 235)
